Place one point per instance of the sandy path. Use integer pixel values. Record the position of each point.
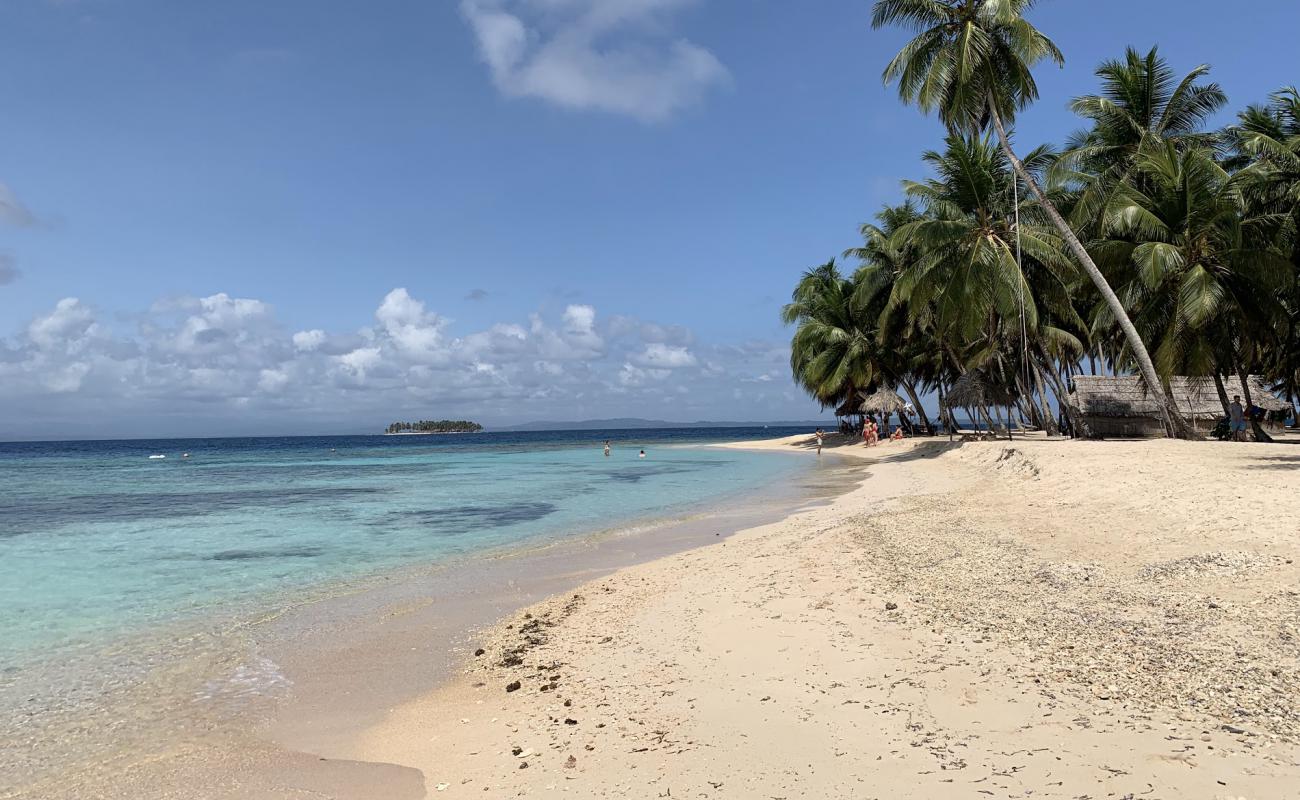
(1072, 620)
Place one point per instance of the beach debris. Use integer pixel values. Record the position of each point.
(1097, 623)
(442, 787)
(891, 606)
(568, 703)
(570, 721)
(570, 762)
(1065, 574)
(1223, 562)
(479, 652)
(516, 750)
(523, 765)
(513, 686)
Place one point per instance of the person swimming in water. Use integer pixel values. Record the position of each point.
(642, 454)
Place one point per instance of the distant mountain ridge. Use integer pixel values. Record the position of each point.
(636, 423)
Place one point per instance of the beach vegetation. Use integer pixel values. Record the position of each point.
(435, 426)
(1149, 244)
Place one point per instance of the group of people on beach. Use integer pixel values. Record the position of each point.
(871, 432)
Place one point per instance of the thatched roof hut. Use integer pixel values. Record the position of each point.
(883, 401)
(1122, 406)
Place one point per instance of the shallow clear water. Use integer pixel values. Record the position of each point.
(98, 540)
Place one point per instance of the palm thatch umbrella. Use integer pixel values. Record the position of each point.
(884, 402)
(976, 390)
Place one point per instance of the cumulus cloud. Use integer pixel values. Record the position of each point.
(308, 341)
(67, 325)
(413, 330)
(663, 356)
(227, 360)
(607, 55)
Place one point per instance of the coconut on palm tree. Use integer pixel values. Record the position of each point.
(971, 61)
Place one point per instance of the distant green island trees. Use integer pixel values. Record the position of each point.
(434, 426)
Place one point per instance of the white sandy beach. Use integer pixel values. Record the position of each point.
(1047, 619)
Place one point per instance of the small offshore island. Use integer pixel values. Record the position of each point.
(425, 427)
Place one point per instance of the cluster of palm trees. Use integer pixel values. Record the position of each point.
(435, 426)
(1149, 243)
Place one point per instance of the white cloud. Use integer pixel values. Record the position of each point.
(657, 354)
(272, 381)
(415, 331)
(227, 360)
(308, 341)
(67, 324)
(65, 378)
(360, 360)
(607, 55)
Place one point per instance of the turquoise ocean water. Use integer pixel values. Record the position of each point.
(98, 540)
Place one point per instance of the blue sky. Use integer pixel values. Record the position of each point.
(312, 216)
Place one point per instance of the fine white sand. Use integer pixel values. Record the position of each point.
(1050, 619)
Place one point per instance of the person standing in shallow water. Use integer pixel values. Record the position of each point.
(607, 448)
(819, 436)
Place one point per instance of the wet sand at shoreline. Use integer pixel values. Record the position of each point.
(1048, 619)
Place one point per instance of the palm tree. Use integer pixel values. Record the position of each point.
(967, 265)
(1266, 145)
(971, 61)
(1197, 279)
(833, 354)
(902, 339)
(991, 307)
(1142, 101)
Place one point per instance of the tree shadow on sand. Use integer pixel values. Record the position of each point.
(1277, 462)
(884, 452)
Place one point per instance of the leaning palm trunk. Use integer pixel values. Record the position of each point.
(1223, 394)
(1046, 409)
(1175, 425)
(945, 413)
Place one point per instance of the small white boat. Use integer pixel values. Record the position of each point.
(157, 456)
